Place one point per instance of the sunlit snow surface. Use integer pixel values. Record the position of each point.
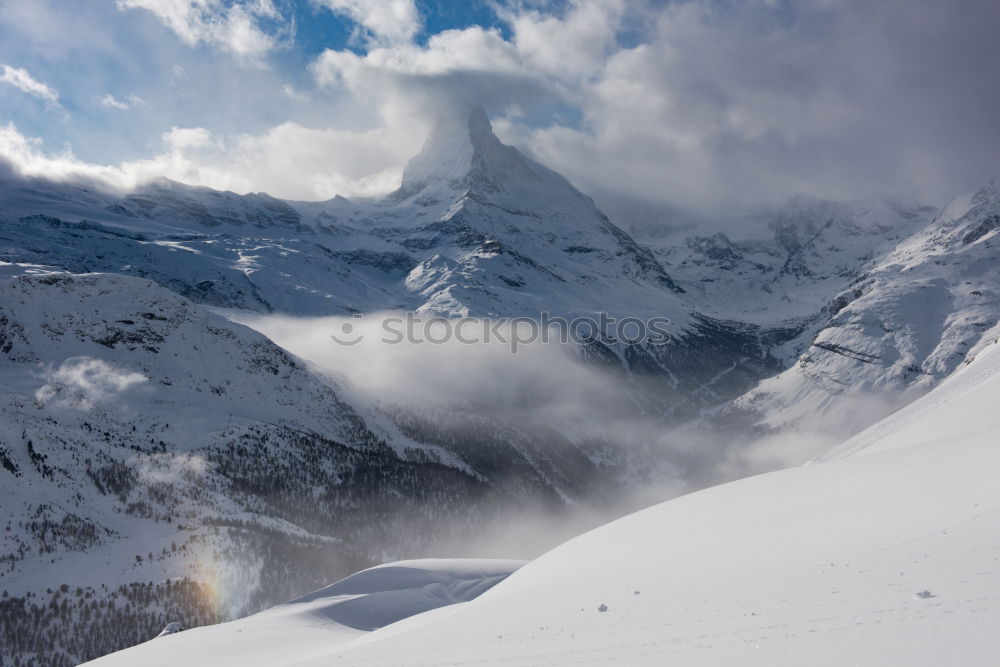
(313, 624)
(889, 554)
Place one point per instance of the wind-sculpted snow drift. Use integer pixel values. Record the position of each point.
(337, 614)
(145, 437)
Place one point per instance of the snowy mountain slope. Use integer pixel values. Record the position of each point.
(143, 439)
(960, 396)
(901, 326)
(884, 558)
(736, 575)
(98, 323)
(788, 262)
(334, 615)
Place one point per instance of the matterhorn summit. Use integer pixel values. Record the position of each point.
(463, 155)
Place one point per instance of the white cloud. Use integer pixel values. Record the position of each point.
(289, 160)
(384, 21)
(237, 27)
(23, 81)
(172, 468)
(408, 83)
(290, 92)
(83, 381)
(547, 55)
(575, 44)
(129, 102)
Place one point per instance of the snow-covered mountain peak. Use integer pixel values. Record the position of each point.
(989, 192)
(976, 216)
(462, 156)
(446, 156)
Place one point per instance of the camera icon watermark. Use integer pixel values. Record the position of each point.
(516, 332)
